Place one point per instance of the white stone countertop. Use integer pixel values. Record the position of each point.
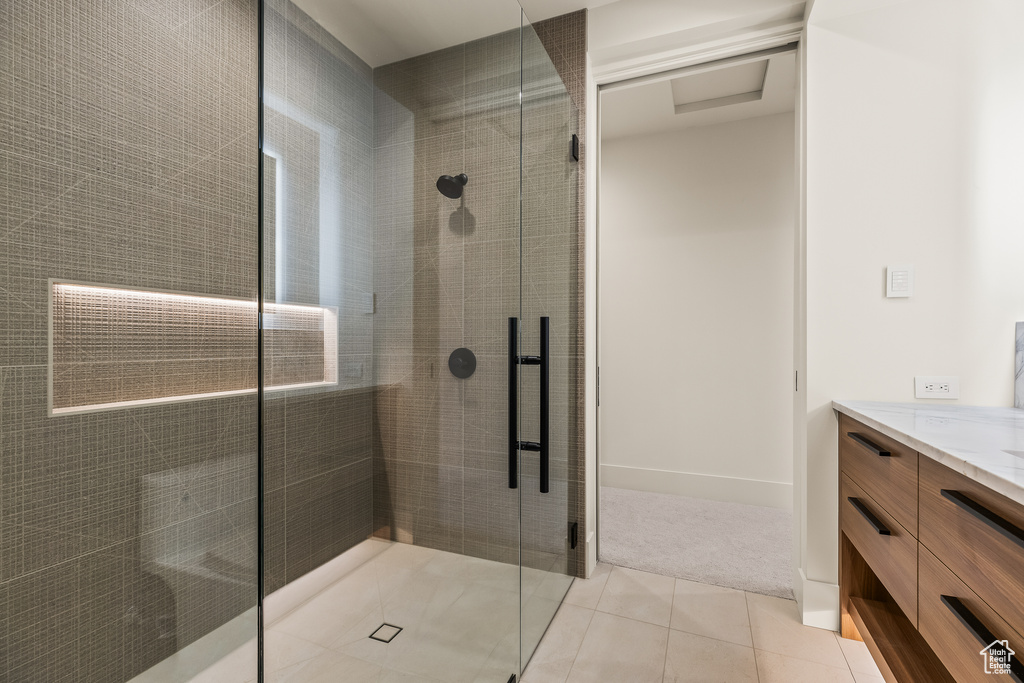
(984, 444)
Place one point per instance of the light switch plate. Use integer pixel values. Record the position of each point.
(899, 281)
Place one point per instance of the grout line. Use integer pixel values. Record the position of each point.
(576, 654)
(845, 658)
(668, 634)
(750, 627)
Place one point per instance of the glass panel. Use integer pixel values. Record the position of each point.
(127, 504)
(387, 498)
(550, 215)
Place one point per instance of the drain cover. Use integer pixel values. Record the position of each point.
(385, 633)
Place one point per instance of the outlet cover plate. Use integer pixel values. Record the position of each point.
(937, 386)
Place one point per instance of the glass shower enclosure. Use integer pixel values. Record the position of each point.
(288, 368)
(421, 189)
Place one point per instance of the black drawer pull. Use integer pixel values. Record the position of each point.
(872, 520)
(877, 450)
(979, 511)
(973, 624)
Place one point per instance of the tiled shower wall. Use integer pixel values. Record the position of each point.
(447, 276)
(128, 158)
(127, 138)
(318, 249)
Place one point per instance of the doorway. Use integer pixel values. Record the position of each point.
(697, 211)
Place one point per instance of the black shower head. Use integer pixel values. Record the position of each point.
(452, 187)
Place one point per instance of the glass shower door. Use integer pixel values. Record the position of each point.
(550, 281)
(391, 266)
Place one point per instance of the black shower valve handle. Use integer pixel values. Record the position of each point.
(450, 186)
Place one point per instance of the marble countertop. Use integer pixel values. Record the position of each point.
(984, 444)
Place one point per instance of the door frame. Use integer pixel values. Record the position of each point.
(638, 70)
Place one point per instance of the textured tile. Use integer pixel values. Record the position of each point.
(620, 649)
(695, 659)
(858, 657)
(282, 650)
(711, 611)
(776, 629)
(776, 668)
(556, 653)
(587, 592)
(638, 595)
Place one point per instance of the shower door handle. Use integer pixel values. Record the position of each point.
(513, 403)
(545, 400)
(514, 444)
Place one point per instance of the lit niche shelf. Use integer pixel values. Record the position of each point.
(114, 348)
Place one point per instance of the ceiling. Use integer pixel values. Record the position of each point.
(386, 31)
(702, 99)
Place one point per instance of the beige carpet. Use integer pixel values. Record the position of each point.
(746, 547)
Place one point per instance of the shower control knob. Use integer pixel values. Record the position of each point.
(462, 363)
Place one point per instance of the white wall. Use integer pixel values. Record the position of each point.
(696, 269)
(915, 154)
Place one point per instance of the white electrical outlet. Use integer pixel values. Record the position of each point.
(937, 387)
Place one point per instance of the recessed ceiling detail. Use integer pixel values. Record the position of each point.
(719, 88)
(697, 96)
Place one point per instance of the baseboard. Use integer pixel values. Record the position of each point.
(708, 486)
(591, 553)
(819, 602)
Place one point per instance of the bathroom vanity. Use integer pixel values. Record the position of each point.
(931, 538)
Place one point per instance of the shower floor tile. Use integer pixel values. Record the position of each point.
(458, 614)
(459, 617)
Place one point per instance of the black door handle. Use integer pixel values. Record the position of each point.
(545, 402)
(513, 403)
(514, 444)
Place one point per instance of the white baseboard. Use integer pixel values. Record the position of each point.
(591, 553)
(819, 602)
(708, 486)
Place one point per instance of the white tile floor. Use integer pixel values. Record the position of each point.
(631, 626)
(459, 616)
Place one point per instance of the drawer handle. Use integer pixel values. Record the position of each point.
(870, 445)
(979, 631)
(872, 520)
(976, 509)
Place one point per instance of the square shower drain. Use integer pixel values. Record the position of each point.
(385, 633)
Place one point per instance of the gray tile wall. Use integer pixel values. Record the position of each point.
(127, 145)
(564, 38)
(127, 150)
(317, 443)
(447, 275)
(115, 345)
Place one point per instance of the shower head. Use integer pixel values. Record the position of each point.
(452, 187)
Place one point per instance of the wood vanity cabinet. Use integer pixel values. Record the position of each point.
(931, 562)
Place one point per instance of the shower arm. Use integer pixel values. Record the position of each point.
(515, 445)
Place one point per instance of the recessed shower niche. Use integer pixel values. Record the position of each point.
(112, 347)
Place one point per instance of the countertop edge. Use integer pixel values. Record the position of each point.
(992, 480)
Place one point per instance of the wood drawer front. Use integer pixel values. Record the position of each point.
(950, 639)
(984, 557)
(890, 479)
(893, 556)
